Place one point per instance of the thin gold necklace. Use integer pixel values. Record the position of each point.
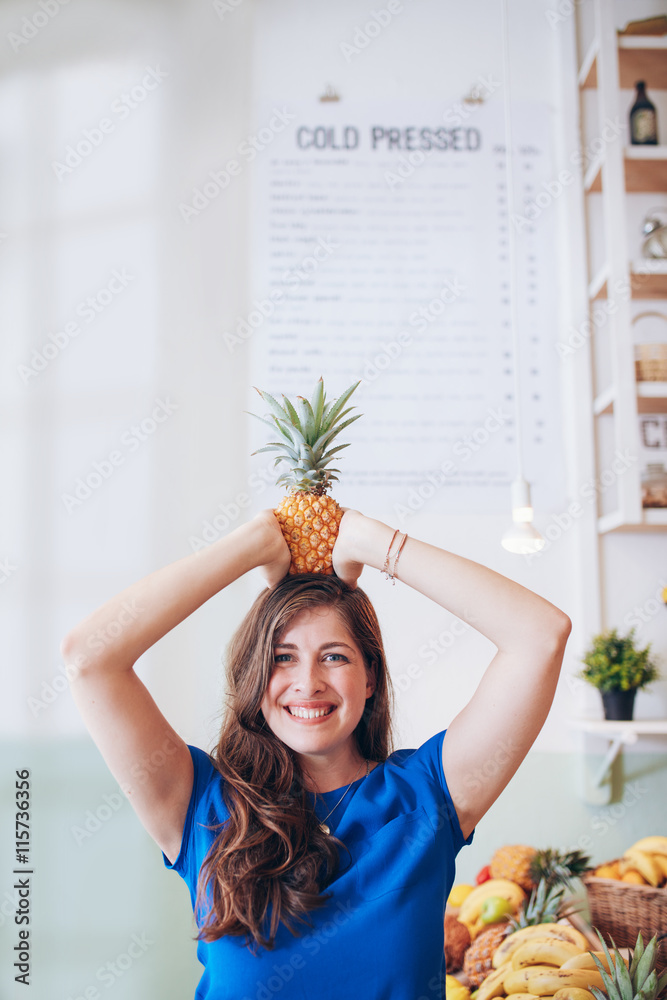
(323, 825)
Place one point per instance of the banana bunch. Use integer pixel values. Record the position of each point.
(549, 933)
(543, 961)
(472, 906)
(645, 863)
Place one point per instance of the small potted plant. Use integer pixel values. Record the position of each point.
(618, 669)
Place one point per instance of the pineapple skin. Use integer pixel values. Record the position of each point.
(309, 523)
(513, 862)
(478, 959)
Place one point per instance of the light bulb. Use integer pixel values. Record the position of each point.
(522, 539)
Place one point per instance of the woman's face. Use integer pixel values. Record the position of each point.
(317, 667)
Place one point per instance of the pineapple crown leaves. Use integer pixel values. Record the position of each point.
(638, 982)
(559, 867)
(545, 903)
(307, 435)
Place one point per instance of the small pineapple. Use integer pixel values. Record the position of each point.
(478, 959)
(514, 863)
(558, 867)
(638, 982)
(545, 906)
(309, 519)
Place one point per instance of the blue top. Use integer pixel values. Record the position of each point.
(380, 936)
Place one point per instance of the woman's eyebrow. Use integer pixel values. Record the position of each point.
(325, 645)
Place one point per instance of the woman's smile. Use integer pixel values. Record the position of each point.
(319, 682)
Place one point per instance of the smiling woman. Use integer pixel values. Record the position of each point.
(303, 816)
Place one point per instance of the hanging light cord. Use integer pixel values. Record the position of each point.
(514, 319)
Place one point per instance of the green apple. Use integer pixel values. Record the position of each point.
(494, 908)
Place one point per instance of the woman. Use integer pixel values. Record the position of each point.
(329, 873)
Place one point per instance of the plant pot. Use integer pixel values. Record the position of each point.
(619, 705)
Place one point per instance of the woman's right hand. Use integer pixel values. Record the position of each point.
(276, 555)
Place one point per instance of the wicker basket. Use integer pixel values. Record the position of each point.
(650, 359)
(622, 910)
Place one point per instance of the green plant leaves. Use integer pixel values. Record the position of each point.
(614, 663)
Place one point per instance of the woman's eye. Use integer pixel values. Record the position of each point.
(281, 657)
(337, 656)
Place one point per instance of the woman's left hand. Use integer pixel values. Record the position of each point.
(346, 563)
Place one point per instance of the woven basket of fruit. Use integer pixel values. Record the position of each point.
(630, 894)
(621, 909)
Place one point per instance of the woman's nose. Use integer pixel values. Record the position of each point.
(310, 678)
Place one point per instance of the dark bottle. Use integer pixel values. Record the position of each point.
(643, 119)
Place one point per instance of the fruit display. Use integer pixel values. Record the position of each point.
(645, 863)
(542, 960)
(512, 895)
(308, 517)
(535, 952)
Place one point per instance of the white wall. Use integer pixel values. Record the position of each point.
(165, 337)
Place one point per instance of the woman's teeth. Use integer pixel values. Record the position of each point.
(309, 713)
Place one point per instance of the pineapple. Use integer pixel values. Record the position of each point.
(638, 982)
(544, 907)
(308, 517)
(478, 959)
(513, 862)
(558, 867)
(526, 866)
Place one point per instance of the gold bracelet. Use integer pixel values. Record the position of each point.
(400, 549)
(385, 568)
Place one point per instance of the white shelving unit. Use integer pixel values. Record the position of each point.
(595, 765)
(612, 63)
(618, 735)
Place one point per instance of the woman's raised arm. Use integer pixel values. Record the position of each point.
(122, 717)
(501, 721)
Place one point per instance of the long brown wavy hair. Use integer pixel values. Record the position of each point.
(271, 853)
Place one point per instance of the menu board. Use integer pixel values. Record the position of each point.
(379, 245)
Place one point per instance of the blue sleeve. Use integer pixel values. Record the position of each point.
(428, 760)
(186, 864)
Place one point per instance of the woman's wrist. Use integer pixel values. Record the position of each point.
(263, 541)
(369, 540)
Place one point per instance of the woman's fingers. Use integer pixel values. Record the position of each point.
(277, 562)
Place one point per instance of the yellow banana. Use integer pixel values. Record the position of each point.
(654, 845)
(573, 993)
(548, 983)
(559, 932)
(661, 861)
(493, 984)
(455, 990)
(538, 952)
(645, 865)
(516, 980)
(586, 961)
(527, 949)
(523, 996)
(471, 907)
